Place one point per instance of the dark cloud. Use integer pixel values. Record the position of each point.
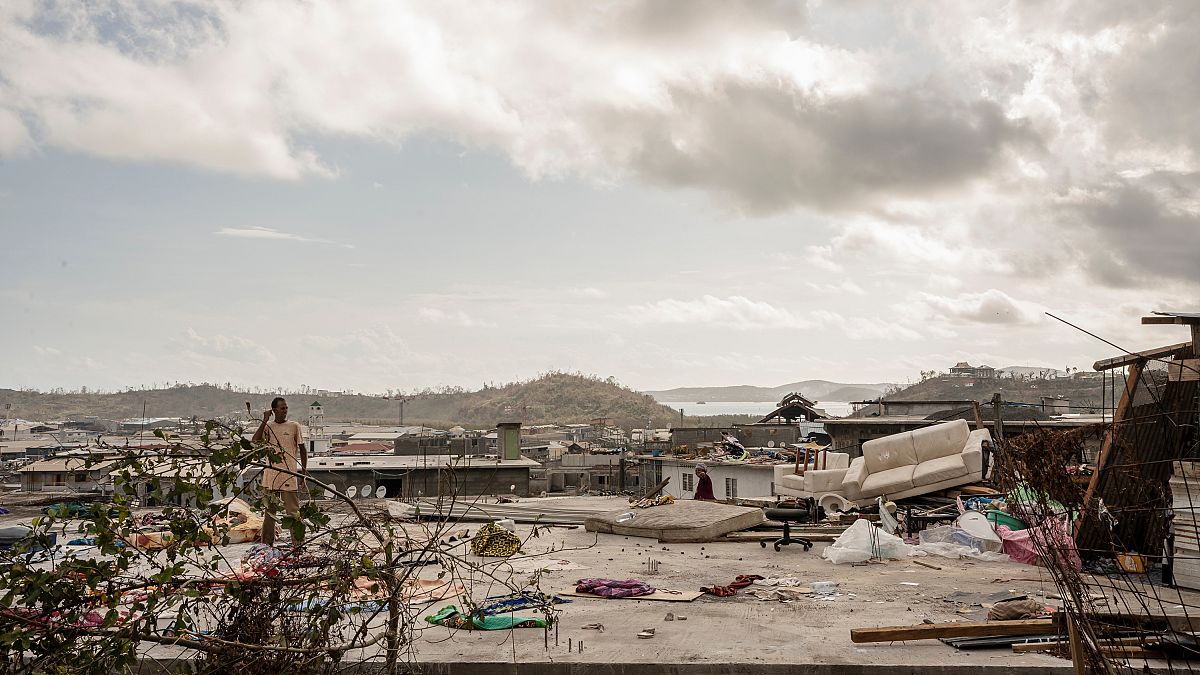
(1141, 234)
(1154, 88)
(770, 147)
(671, 20)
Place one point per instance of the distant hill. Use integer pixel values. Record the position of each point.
(819, 390)
(1085, 390)
(557, 397)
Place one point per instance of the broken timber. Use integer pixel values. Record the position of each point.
(949, 630)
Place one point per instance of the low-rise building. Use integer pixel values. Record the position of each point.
(408, 476)
(66, 474)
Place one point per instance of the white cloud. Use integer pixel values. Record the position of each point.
(453, 318)
(740, 313)
(863, 328)
(46, 351)
(588, 292)
(230, 347)
(989, 307)
(15, 138)
(846, 287)
(270, 233)
(735, 312)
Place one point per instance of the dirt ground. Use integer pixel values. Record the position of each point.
(730, 630)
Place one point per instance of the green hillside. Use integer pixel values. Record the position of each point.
(556, 397)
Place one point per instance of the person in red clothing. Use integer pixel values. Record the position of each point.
(704, 489)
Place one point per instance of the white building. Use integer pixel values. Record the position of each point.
(730, 481)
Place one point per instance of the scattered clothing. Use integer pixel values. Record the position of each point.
(502, 604)
(742, 581)
(495, 541)
(613, 588)
(450, 617)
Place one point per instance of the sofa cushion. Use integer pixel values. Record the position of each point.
(827, 480)
(938, 470)
(940, 440)
(792, 481)
(889, 452)
(884, 482)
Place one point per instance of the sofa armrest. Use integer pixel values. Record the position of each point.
(973, 459)
(855, 475)
(972, 454)
(782, 470)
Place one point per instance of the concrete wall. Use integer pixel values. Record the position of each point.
(428, 482)
(753, 480)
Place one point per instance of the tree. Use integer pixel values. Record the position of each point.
(287, 610)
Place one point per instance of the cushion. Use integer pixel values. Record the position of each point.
(889, 452)
(940, 440)
(837, 460)
(888, 481)
(938, 470)
(828, 480)
(792, 481)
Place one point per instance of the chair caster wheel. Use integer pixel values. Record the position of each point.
(777, 548)
(762, 544)
(807, 546)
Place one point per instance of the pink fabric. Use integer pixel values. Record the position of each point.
(1022, 545)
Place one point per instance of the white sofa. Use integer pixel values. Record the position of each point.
(903, 465)
(916, 462)
(825, 484)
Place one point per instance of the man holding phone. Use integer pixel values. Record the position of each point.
(280, 483)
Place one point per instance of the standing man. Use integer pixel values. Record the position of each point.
(281, 487)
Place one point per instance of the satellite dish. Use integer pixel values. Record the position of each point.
(365, 491)
(352, 492)
(770, 444)
(380, 492)
(328, 494)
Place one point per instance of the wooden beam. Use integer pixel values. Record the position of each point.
(950, 630)
(1170, 351)
(1132, 379)
(1167, 320)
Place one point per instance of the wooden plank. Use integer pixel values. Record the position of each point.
(950, 630)
(1184, 370)
(1078, 659)
(1170, 351)
(1131, 383)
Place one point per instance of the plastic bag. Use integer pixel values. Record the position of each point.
(947, 549)
(863, 541)
(957, 537)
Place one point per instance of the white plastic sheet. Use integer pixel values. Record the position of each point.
(863, 541)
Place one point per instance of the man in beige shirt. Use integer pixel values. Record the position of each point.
(281, 487)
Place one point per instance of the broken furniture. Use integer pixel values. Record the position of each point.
(820, 479)
(916, 462)
(687, 520)
(787, 517)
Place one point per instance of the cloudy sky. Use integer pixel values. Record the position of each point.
(374, 194)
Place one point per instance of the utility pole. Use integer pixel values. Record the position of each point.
(998, 418)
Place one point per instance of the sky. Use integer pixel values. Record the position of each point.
(374, 194)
